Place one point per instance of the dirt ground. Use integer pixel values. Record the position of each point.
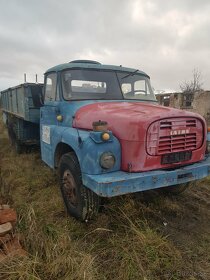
(186, 221)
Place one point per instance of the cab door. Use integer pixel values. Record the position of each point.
(48, 117)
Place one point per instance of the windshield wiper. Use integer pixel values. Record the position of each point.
(130, 74)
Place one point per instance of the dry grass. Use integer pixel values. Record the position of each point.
(135, 237)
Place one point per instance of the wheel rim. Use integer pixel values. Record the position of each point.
(69, 188)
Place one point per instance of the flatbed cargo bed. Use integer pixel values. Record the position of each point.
(23, 101)
(21, 113)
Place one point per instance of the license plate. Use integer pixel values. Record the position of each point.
(176, 157)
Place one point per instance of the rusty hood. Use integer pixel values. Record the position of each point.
(127, 120)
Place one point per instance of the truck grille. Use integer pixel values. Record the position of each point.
(174, 135)
(174, 143)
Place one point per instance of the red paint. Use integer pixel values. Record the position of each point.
(174, 135)
(137, 126)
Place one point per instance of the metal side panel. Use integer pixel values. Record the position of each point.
(21, 102)
(14, 100)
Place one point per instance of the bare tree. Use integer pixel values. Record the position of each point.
(194, 85)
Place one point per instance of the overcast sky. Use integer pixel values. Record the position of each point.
(166, 39)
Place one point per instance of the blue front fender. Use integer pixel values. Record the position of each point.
(88, 151)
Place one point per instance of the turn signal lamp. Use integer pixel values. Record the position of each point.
(208, 129)
(105, 136)
(59, 118)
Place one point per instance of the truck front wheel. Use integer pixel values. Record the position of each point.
(175, 190)
(81, 202)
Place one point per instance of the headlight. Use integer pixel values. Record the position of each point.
(107, 160)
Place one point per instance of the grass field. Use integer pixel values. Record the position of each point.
(146, 236)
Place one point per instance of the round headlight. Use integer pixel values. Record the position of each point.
(107, 160)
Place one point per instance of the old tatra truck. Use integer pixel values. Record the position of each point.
(101, 127)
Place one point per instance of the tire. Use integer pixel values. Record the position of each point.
(175, 190)
(18, 147)
(81, 202)
(11, 134)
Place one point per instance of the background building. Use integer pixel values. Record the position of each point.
(198, 102)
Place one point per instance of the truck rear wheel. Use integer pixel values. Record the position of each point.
(19, 148)
(11, 134)
(81, 202)
(175, 190)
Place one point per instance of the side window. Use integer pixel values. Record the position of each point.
(50, 87)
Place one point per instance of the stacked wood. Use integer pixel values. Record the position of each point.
(9, 241)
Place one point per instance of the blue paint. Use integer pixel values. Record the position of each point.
(98, 66)
(96, 137)
(23, 101)
(88, 151)
(21, 107)
(118, 183)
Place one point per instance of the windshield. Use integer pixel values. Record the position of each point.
(96, 84)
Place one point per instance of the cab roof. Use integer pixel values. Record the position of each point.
(91, 64)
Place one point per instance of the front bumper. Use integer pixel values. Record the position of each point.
(119, 182)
